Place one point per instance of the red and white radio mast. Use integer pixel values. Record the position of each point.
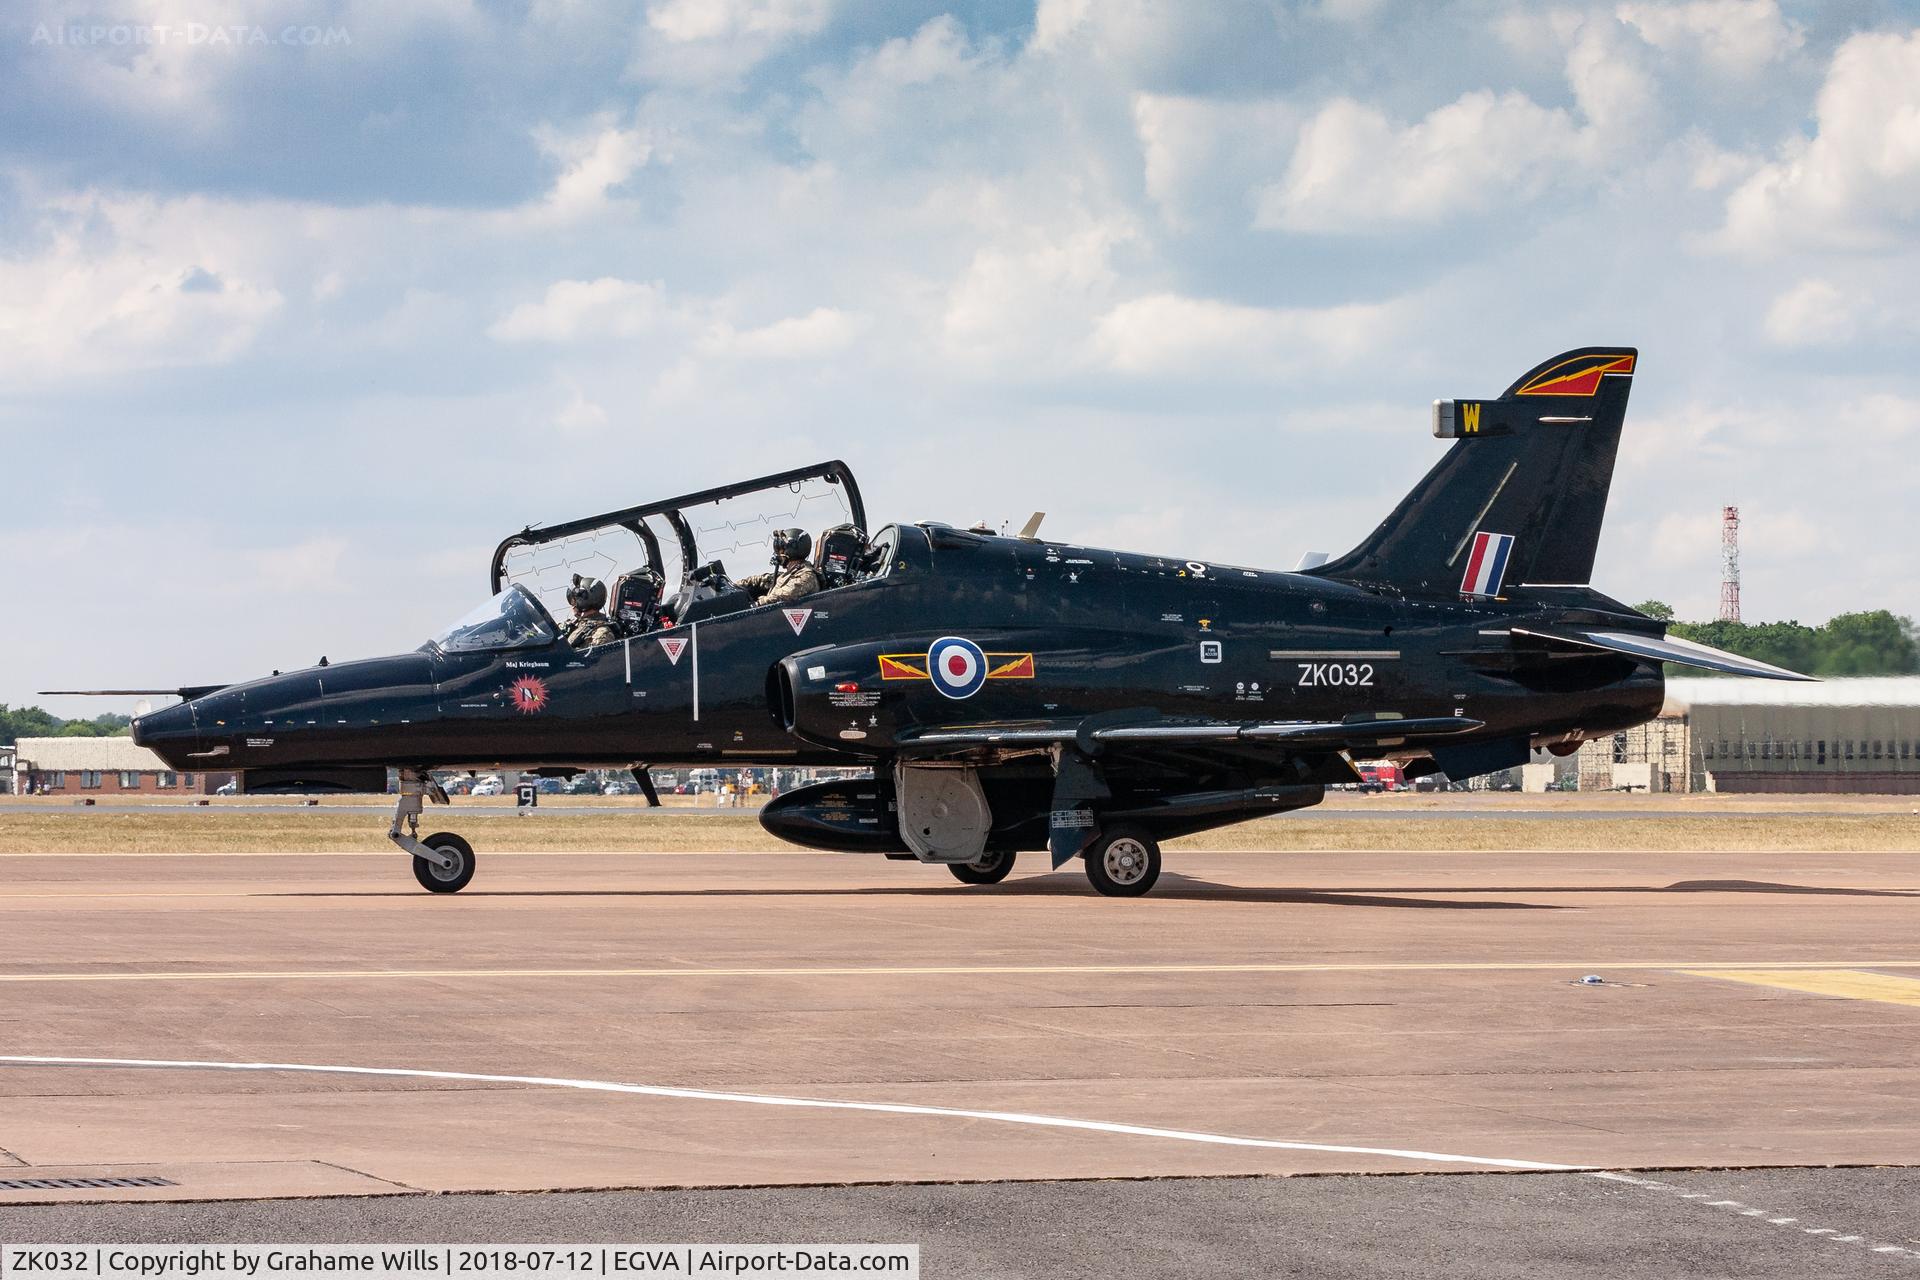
(1729, 564)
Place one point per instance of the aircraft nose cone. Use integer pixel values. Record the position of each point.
(169, 733)
(168, 724)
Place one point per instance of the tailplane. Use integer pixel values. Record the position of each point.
(1519, 498)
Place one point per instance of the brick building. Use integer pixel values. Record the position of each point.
(1749, 735)
(101, 767)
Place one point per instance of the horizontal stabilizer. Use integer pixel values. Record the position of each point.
(1661, 649)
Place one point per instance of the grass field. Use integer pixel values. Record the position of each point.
(1837, 826)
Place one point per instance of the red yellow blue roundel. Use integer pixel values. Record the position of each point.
(957, 666)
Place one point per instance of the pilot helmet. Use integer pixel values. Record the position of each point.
(586, 595)
(792, 544)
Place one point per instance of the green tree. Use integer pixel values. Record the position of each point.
(25, 722)
(1659, 610)
(32, 722)
(1873, 643)
(1868, 644)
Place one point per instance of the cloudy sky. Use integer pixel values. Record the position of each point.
(303, 305)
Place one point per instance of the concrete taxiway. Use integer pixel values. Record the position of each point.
(223, 1027)
(1757, 1225)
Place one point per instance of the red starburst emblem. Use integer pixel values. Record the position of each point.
(529, 695)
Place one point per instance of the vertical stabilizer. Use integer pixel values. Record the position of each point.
(1519, 497)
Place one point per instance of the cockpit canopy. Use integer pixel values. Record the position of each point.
(512, 619)
(695, 547)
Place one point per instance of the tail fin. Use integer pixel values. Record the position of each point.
(1520, 496)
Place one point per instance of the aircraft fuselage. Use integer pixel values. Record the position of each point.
(1066, 632)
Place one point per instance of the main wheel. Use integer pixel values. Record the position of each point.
(989, 868)
(1123, 862)
(436, 879)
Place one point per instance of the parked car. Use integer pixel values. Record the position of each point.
(489, 787)
(620, 789)
(231, 787)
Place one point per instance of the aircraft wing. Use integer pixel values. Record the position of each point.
(1093, 732)
(1660, 649)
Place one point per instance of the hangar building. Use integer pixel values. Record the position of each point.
(1749, 735)
(101, 766)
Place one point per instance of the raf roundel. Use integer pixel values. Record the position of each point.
(957, 666)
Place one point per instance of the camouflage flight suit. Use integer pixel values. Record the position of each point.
(588, 629)
(792, 582)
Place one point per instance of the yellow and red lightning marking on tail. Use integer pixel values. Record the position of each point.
(1579, 376)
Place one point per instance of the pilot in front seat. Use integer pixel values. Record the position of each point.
(792, 578)
(589, 625)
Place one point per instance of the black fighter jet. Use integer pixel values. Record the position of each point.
(1009, 694)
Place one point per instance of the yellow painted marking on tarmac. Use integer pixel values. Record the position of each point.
(1706, 968)
(1848, 984)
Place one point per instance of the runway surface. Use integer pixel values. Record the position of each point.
(314, 1025)
(1789, 1224)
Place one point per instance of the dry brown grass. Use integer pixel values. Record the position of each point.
(327, 829)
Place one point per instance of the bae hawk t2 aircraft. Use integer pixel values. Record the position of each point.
(1006, 695)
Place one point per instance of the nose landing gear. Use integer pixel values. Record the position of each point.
(443, 862)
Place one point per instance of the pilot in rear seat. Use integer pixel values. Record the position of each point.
(589, 624)
(792, 578)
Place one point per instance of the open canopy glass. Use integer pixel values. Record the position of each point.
(514, 619)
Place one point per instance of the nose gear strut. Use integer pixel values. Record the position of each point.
(415, 788)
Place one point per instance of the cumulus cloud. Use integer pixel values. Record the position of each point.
(1170, 334)
(125, 284)
(1190, 232)
(1026, 298)
(716, 41)
(1856, 183)
(1812, 313)
(579, 416)
(587, 310)
(1202, 156)
(1354, 169)
(822, 332)
(592, 165)
(1737, 39)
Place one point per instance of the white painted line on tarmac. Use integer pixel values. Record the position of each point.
(934, 971)
(1832, 1234)
(824, 1104)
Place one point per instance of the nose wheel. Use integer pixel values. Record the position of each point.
(451, 875)
(443, 862)
(1123, 863)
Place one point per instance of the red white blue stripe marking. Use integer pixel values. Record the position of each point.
(1487, 566)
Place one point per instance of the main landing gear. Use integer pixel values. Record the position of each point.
(443, 862)
(989, 868)
(1123, 862)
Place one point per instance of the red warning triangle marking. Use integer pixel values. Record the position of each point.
(673, 647)
(797, 619)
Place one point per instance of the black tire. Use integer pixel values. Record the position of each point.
(1123, 863)
(439, 880)
(989, 868)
